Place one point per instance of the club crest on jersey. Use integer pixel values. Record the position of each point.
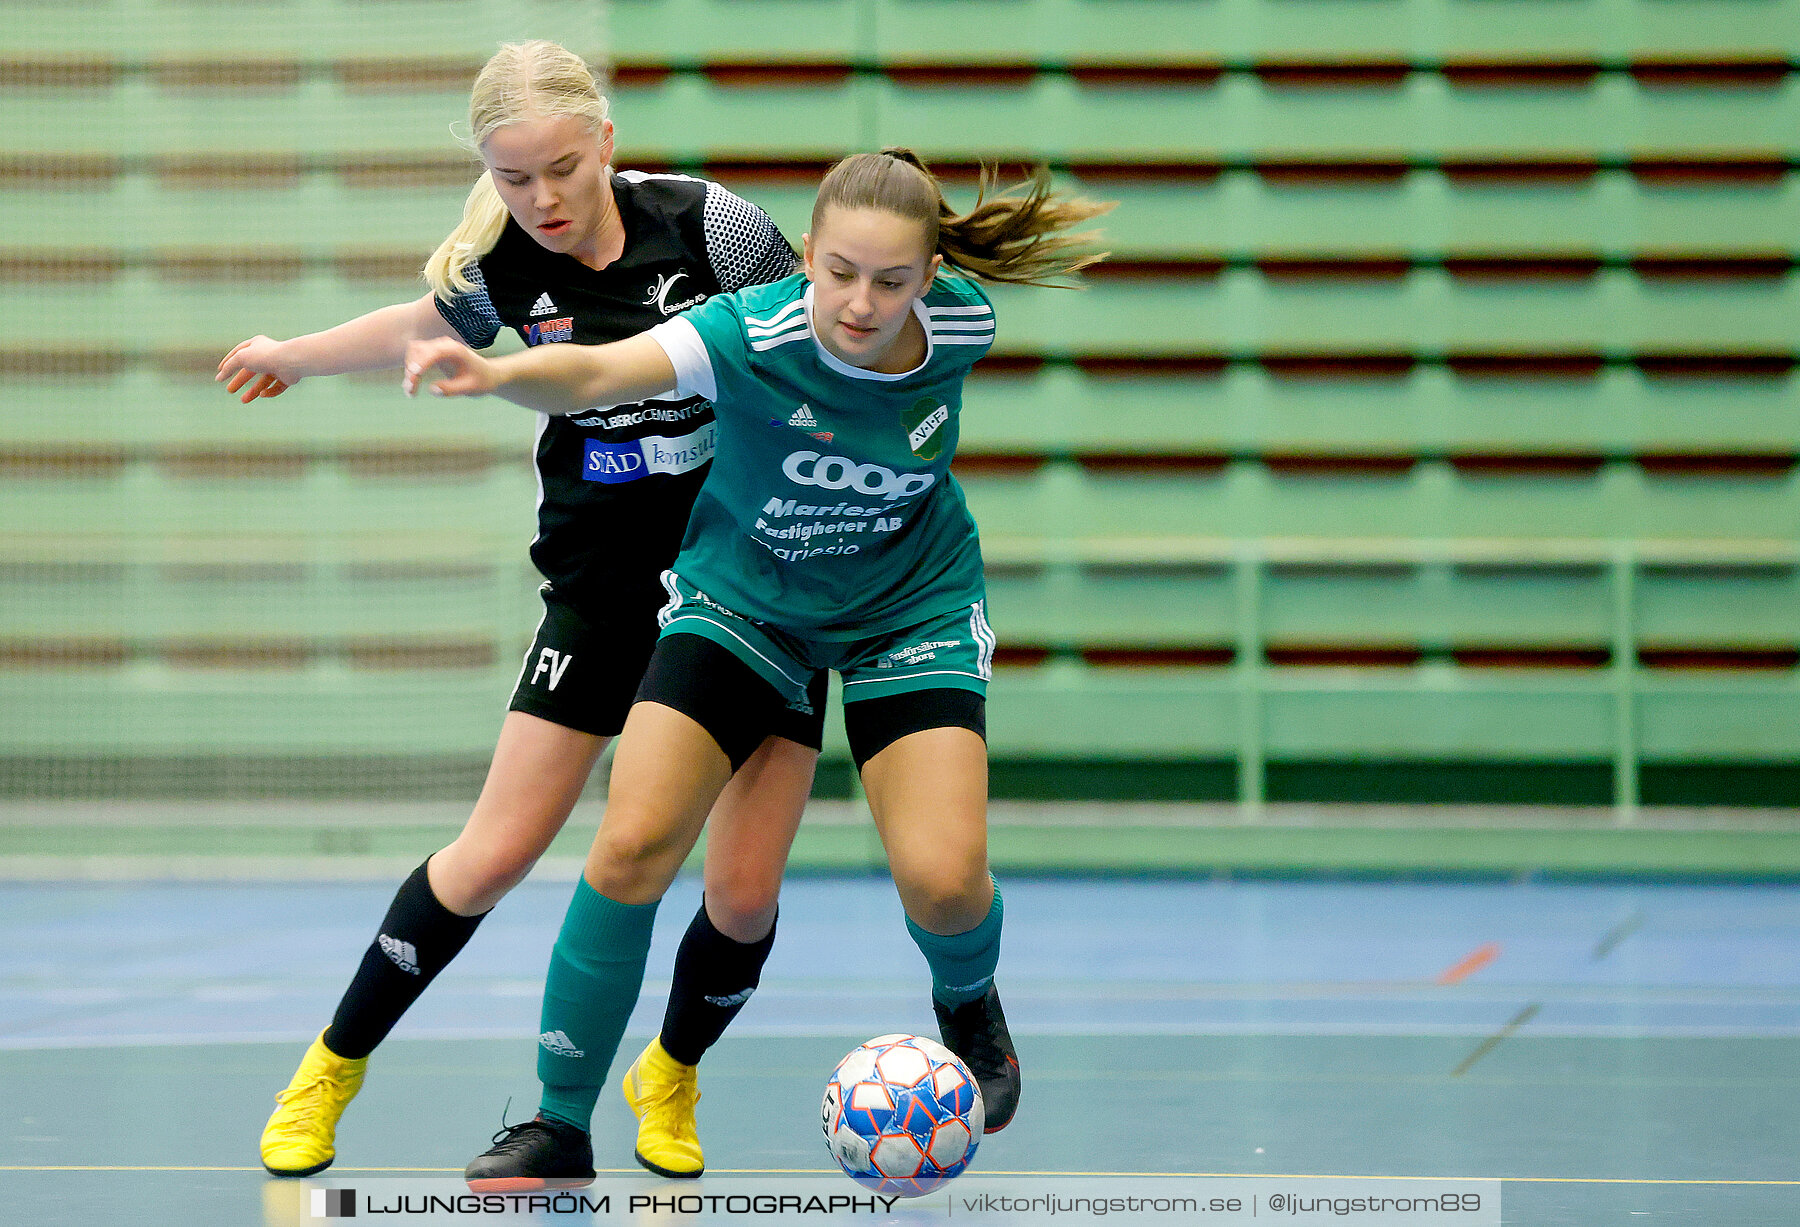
(923, 422)
(550, 330)
(543, 306)
(659, 294)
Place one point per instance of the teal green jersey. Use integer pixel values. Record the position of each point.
(830, 510)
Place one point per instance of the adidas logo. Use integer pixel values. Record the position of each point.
(803, 418)
(735, 999)
(558, 1044)
(405, 957)
(543, 306)
(978, 985)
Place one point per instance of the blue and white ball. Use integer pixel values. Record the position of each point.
(902, 1115)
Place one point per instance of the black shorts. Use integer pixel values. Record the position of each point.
(583, 674)
(737, 705)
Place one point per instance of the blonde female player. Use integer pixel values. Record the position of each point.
(557, 246)
(829, 534)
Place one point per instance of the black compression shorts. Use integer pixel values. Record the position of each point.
(584, 675)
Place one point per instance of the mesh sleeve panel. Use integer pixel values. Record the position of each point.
(472, 314)
(743, 244)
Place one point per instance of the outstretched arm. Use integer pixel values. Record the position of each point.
(560, 378)
(365, 343)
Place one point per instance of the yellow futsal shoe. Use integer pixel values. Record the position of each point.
(301, 1138)
(663, 1092)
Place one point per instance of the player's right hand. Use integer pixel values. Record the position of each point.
(256, 362)
(469, 373)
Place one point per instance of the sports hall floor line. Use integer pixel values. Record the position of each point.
(1488, 952)
(1495, 1040)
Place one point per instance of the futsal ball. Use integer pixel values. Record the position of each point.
(902, 1115)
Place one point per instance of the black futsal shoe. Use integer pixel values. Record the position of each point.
(533, 1155)
(976, 1032)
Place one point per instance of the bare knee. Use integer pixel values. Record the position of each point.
(469, 879)
(945, 897)
(634, 863)
(741, 904)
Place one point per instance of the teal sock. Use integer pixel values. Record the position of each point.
(962, 964)
(596, 972)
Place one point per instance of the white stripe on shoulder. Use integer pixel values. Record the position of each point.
(983, 339)
(751, 330)
(785, 338)
(977, 310)
(778, 319)
(940, 326)
(787, 325)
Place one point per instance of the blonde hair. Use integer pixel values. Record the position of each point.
(1015, 236)
(531, 80)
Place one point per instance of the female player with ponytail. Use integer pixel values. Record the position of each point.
(830, 534)
(557, 246)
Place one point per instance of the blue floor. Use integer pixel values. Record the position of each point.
(1589, 1043)
(99, 964)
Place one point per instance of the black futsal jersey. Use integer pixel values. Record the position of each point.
(616, 482)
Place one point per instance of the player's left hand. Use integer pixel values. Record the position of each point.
(254, 362)
(469, 373)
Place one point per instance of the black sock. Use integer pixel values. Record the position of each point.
(714, 977)
(419, 936)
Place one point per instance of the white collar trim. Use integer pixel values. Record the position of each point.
(856, 372)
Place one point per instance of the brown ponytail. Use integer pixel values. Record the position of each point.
(1017, 235)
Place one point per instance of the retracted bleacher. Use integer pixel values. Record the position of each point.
(1431, 434)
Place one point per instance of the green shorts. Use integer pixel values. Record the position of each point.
(952, 651)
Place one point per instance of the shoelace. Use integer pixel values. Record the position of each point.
(677, 1095)
(297, 1125)
(509, 1135)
